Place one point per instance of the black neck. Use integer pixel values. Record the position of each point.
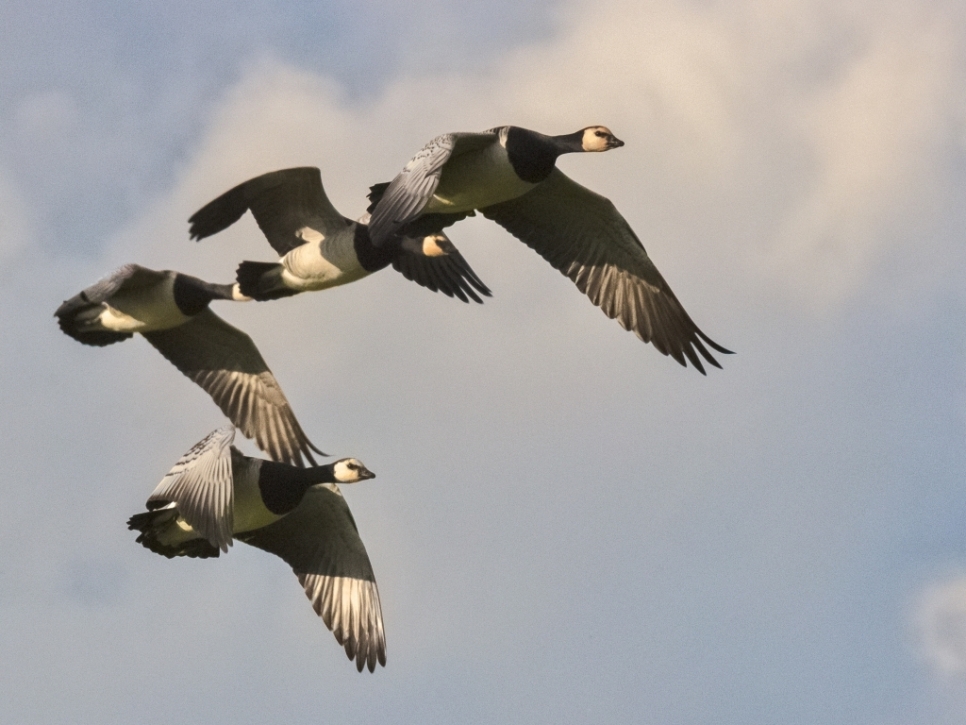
(371, 257)
(282, 486)
(192, 295)
(570, 142)
(533, 155)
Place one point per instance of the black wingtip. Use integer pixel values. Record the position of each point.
(716, 346)
(218, 214)
(699, 346)
(305, 449)
(195, 232)
(364, 660)
(473, 279)
(485, 292)
(376, 192)
(321, 453)
(694, 359)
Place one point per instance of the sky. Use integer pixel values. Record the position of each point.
(566, 525)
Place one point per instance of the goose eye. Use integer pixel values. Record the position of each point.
(352, 466)
(599, 134)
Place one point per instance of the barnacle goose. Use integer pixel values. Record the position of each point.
(171, 311)
(509, 174)
(214, 494)
(320, 248)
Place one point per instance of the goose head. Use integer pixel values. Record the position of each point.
(599, 138)
(437, 245)
(351, 470)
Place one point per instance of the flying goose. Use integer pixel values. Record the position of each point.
(215, 493)
(170, 310)
(509, 174)
(320, 248)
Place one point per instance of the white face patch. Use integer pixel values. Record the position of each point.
(237, 295)
(351, 470)
(310, 235)
(598, 138)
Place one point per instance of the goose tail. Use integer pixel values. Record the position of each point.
(80, 319)
(160, 532)
(262, 281)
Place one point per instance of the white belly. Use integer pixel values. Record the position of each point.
(476, 180)
(249, 511)
(323, 264)
(144, 310)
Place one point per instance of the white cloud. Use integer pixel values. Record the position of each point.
(877, 130)
(941, 628)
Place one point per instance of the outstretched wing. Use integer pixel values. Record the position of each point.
(290, 206)
(201, 485)
(420, 226)
(443, 269)
(407, 195)
(225, 362)
(584, 236)
(319, 540)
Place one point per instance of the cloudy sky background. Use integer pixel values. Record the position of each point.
(566, 526)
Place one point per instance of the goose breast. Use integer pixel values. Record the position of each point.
(477, 179)
(143, 309)
(324, 263)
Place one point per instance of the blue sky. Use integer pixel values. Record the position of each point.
(566, 526)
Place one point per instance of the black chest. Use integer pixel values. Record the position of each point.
(531, 155)
(281, 486)
(371, 257)
(190, 297)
